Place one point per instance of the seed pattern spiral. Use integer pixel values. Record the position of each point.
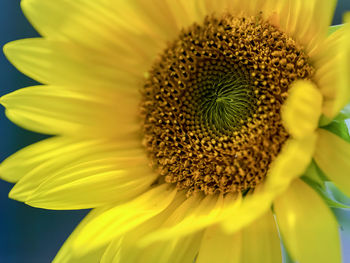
(211, 104)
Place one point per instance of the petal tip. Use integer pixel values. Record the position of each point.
(302, 110)
(17, 195)
(7, 48)
(25, 4)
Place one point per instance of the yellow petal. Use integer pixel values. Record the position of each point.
(22, 162)
(190, 249)
(306, 21)
(57, 110)
(177, 250)
(332, 155)
(40, 165)
(293, 160)
(112, 252)
(332, 61)
(255, 7)
(218, 246)
(180, 250)
(307, 225)
(37, 168)
(55, 18)
(64, 63)
(126, 248)
(302, 110)
(186, 12)
(98, 25)
(163, 19)
(194, 214)
(236, 7)
(123, 218)
(118, 176)
(261, 242)
(66, 253)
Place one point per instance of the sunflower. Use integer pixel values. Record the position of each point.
(196, 130)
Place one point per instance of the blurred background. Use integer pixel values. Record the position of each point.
(31, 235)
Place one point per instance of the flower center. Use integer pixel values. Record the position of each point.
(211, 104)
(222, 103)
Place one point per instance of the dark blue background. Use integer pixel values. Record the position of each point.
(30, 235)
(27, 235)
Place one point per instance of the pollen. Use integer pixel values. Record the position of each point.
(211, 104)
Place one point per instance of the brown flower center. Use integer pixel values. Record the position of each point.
(211, 104)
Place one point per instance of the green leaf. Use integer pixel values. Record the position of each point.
(340, 128)
(314, 174)
(326, 196)
(332, 29)
(317, 179)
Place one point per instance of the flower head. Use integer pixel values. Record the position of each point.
(186, 125)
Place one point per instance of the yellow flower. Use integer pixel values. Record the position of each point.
(186, 125)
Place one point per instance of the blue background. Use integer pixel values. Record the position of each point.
(31, 235)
